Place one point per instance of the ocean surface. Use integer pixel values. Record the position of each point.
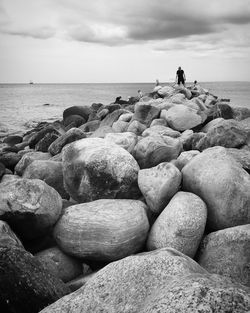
(22, 106)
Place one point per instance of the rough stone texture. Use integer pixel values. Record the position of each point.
(46, 141)
(101, 132)
(40, 134)
(120, 126)
(181, 117)
(185, 157)
(83, 111)
(126, 117)
(29, 206)
(9, 177)
(125, 140)
(13, 140)
(25, 286)
(227, 252)
(145, 113)
(227, 133)
(153, 150)
(112, 117)
(194, 142)
(2, 170)
(8, 237)
(158, 121)
(73, 121)
(166, 91)
(9, 159)
(241, 156)
(197, 293)
(103, 230)
(136, 127)
(222, 183)
(123, 286)
(211, 124)
(59, 264)
(90, 126)
(241, 113)
(159, 184)
(95, 169)
(161, 130)
(50, 172)
(180, 225)
(71, 135)
(29, 158)
(79, 281)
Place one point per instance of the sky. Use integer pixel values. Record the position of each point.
(109, 41)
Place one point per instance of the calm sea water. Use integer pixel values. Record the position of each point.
(22, 105)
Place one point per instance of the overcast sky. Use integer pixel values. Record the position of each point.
(124, 40)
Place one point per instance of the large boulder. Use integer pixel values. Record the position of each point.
(29, 206)
(159, 184)
(103, 230)
(83, 111)
(51, 172)
(8, 237)
(222, 183)
(10, 159)
(95, 169)
(227, 252)
(59, 264)
(226, 133)
(29, 158)
(136, 127)
(145, 113)
(197, 293)
(126, 140)
(153, 150)
(241, 113)
(180, 225)
(181, 117)
(112, 117)
(242, 156)
(123, 286)
(25, 286)
(71, 135)
(73, 121)
(39, 135)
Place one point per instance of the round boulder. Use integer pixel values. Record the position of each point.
(96, 169)
(103, 230)
(180, 225)
(29, 206)
(221, 182)
(227, 252)
(159, 184)
(29, 158)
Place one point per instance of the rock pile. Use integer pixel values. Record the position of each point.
(139, 207)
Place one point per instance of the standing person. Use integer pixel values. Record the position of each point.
(180, 76)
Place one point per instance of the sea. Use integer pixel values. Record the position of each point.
(23, 106)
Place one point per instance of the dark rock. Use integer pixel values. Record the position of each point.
(112, 117)
(8, 237)
(2, 170)
(46, 141)
(241, 113)
(146, 113)
(73, 121)
(83, 111)
(25, 286)
(10, 159)
(13, 140)
(113, 107)
(37, 136)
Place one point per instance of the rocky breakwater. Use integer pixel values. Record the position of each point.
(127, 208)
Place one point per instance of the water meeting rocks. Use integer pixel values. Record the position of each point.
(180, 225)
(159, 184)
(29, 206)
(223, 184)
(103, 230)
(94, 168)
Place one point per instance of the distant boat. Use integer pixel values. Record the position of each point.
(31, 82)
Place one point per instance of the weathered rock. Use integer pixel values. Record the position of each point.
(73, 121)
(136, 127)
(180, 225)
(9, 177)
(145, 113)
(28, 158)
(101, 132)
(161, 130)
(198, 293)
(158, 185)
(10, 159)
(83, 111)
(241, 113)
(241, 156)
(222, 183)
(8, 237)
(211, 124)
(95, 169)
(59, 264)
(153, 150)
(194, 141)
(71, 135)
(103, 230)
(29, 206)
(50, 172)
(166, 91)
(181, 117)
(125, 140)
(158, 121)
(39, 135)
(185, 157)
(227, 133)
(13, 140)
(178, 98)
(112, 117)
(79, 281)
(46, 141)
(25, 287)
(120, 126)
(123, 286)
(227, 252)
(90, 126)
(2, 170)
(126, 117)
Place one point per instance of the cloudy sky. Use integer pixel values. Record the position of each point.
(124, 40)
